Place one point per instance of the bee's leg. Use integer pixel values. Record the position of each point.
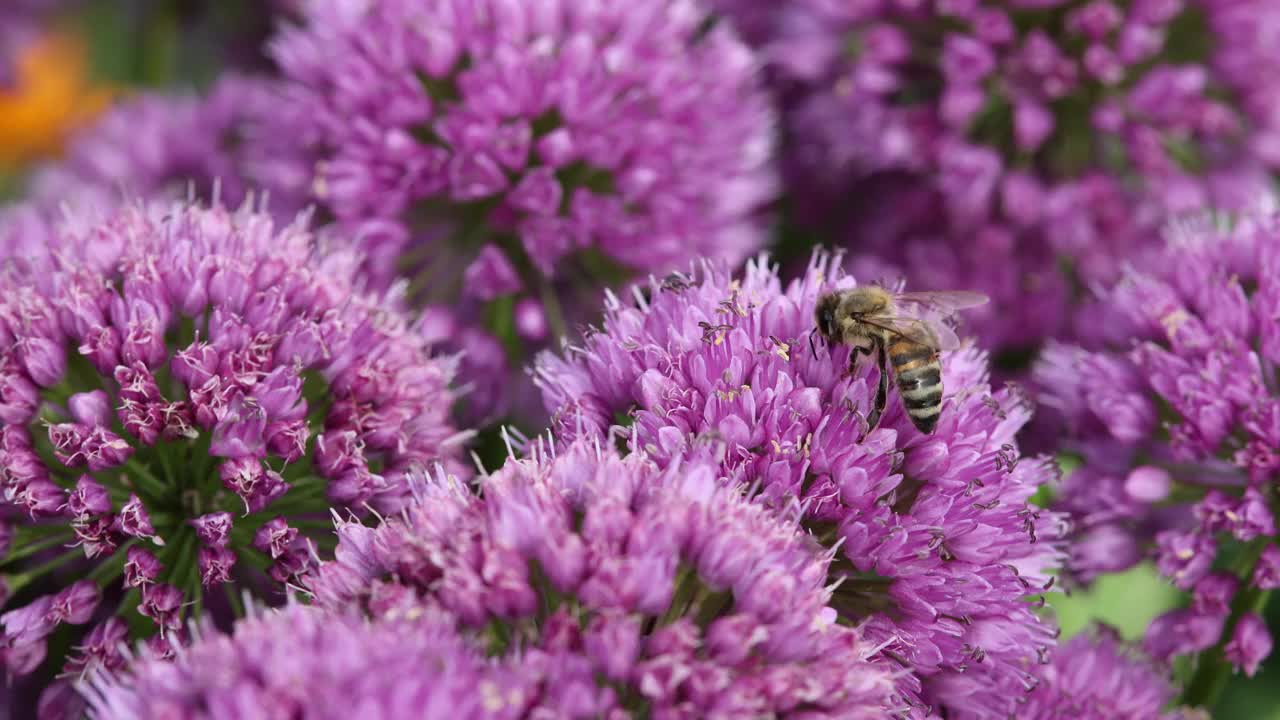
(855, 351)
(882, 392)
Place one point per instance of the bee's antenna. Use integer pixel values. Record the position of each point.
(812, 350)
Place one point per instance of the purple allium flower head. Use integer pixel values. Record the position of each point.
(186, 393)
(495, 152)
(535, 131)
(1094, 677)
(215, 145)
(1176, 424)
(610, 582)
(1032, 131)
(938, 548)
(301, 662)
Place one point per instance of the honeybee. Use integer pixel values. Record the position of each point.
(907, 329)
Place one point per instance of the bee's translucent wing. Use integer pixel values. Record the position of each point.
(929, 311)
(930, 333)
(938, 304)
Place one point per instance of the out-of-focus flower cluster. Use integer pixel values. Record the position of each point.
(185, 393)
(521, 135)
(1095, 678)
(1019, 130)
(939, 552)
(510, 159)
(1177, 429)
(213, 146)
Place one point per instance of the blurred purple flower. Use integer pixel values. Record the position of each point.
(1094, 677)
(608, 582)
(1067, 128)
(939, 550)
(216, 144)
(550, 129)
(512, 159)
(179, 383)
(1176, 422)
(1250, 644)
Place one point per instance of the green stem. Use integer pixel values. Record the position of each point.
(180, 556)
(17, 582)
(113, 568)
(253, 557)
(687, 586)
(319, 524)
(500, 319)
(30, 533)
(194, 588)
(26, 550)
(551, 306)
(470, 231)
(165, 520)
(233, 597)
(203, 465)
(1214, 669)
(710, 605)
(296, 503)
(319, 410)
(163, 452)
(145, 480)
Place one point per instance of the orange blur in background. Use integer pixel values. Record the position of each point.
(52, 96)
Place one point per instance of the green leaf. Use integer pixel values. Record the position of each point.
(1127, 601)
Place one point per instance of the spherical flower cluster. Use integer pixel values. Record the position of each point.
(535, 129)
(611, 587)
(1176, 426)
(217, 146)
(1094, 677)
(300, 662)
(1069, 125)
(939, 551)
(507, 153)
(185, 393)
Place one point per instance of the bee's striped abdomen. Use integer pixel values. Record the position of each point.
(919, 376)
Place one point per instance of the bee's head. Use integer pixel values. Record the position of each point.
(824, 316)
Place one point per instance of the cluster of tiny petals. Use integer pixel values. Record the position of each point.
(152, 392)
(675, 592)
(213, 144)
(939, 548)
(616, 127)
(1066, 126)
(1185, 411)
(1151, 96)
(1094, 677)
(300, 662)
